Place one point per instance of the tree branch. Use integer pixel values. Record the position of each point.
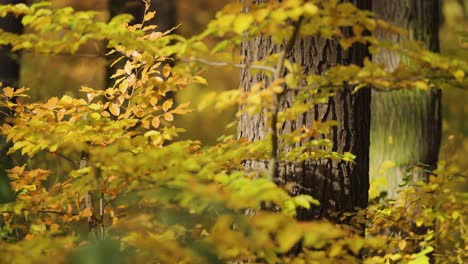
(235, 65)
(273, 164)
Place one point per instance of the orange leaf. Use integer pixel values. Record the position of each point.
(145, 123)
(54, 227)
(8, 92)
(86, 212)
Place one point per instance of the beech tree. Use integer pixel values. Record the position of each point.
(406, 124)
(338, 185)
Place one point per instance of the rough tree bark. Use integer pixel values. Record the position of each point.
(405, 125)
(339, 186)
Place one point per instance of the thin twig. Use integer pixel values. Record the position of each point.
(273, 164)
(235, 65)
(62, 156)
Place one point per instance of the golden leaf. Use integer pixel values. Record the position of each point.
(167, 105)
(51, 103)
(60, 114)
(54, 227)
(155, 122)
(153, 101)
(8, 92)
(166, 70)
(114, 109)
(168, 117)
(86, 212)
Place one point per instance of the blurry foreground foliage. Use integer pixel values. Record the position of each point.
(132, 192)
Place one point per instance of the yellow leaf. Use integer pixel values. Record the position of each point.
(168, 116)
(145, 123)
(105, 114)
(66, 99)
(421, 85)
(54, 227)
(149, 15)
(51, 103)
(95, 116)
(242, 23)
(155, 122)
(390, 140)
(86, 212)
(402, 245)
(459, 75)
(166, 70)
(310, 9)
(153, 101)
(167, 105)
(8, 92)
(128, 68)
(114, 109)
(201, 80)
(60, 114)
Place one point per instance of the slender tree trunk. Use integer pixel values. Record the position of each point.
(338, 185)
(9, 68)
(9, 63)
(405, 125)
(9, 73)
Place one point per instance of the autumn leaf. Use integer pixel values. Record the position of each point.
(114, 109)
(155, 122)
(8, 92)
(167, 105)
(86, 212)
(168, 116)
(166, 71)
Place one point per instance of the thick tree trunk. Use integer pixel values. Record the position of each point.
(405, 125)
(338, 185)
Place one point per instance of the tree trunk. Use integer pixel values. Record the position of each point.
(338, 185)
(9, 73)
(9, 63)
(405, 125)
